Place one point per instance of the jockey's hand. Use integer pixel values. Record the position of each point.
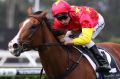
(68, 42)
(61, 38)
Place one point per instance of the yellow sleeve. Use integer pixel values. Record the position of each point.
(85, 38)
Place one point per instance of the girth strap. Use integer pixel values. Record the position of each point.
(67, 71)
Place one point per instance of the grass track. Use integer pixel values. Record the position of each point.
(24, 77)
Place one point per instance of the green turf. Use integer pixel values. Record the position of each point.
(24, 77)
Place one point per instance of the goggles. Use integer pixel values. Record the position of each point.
(62, 16)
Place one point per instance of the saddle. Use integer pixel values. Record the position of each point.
(114, 73)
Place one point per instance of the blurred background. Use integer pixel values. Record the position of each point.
(12, 12)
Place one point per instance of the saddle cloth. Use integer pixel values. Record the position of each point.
(114, 73)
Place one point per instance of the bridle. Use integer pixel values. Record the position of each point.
(26, 45)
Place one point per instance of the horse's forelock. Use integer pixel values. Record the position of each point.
(29, 10)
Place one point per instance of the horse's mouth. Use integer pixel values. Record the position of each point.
(16, 52)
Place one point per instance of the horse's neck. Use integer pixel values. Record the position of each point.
(53, 57)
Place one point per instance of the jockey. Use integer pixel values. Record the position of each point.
(83, 20)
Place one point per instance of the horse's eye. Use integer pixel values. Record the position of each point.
(33, 26)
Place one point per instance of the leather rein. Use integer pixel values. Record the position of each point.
(27, 45)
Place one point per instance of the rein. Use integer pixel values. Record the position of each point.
(27, 45)
(68, 70)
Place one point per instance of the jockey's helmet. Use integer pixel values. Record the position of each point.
(60, 6)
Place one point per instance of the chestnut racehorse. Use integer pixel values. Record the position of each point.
(59, 61)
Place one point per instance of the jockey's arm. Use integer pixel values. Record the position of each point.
(87, 22)
(85, 37)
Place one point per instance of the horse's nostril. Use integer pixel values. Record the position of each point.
(15, 45)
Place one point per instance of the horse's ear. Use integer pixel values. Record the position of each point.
(20, 25)
(44, 13)
(29, 10)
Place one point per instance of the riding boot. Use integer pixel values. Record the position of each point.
(103, 64)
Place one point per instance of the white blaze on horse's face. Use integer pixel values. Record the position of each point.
(13, 45)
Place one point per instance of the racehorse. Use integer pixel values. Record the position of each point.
(59, 61)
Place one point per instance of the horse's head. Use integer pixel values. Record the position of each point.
(29, 34)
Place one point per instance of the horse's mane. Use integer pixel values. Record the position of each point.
(49, 25)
